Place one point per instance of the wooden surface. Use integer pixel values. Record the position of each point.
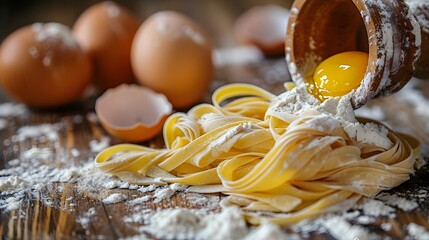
(36, 220)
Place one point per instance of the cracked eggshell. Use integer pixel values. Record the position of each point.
(132, 113)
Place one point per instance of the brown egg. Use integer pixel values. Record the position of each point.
(42, 65)
(264, 27)
(106, 31)
(173, 55)
(132, 113)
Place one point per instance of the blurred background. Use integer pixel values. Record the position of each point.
(217, 16)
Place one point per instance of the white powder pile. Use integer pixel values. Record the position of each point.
(45, 31)
(98, 145)
(340, 110)
(3, 124)
(12, 109)
(269, 231)
(140, 200)
(341, 229)
(85, 218)
(416, 231)
(195, 36)
(399, 202)
(337, 225)
(420, 8)
(183, 223)
(237, 56)
(168, 191)
(48, 131)
(377, 208)
(115, 198)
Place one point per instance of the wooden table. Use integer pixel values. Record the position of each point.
(37, 220)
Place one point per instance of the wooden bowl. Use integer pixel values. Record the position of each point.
(387, 30)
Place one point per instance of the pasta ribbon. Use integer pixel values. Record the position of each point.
(295, 165)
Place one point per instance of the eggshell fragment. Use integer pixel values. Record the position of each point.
(172, 55)
(264, 27)
(106, 31)
(132, 113)
(42, 65)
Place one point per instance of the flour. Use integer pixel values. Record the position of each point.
(45, 31)
(36, 155)
(334, 111)
(386, 226)
(41, 131)
(140, 200)
(115, 198)
(11, 203)
(369, 133)
(343, 230)
(183, 223)
(10, 183)
(98, 145)
(269, 231)
(166, 192)
(336, 225)
(399, 202)
(3, 124)
(377, 208)
(416, 231)
(237, 56)
(85, 218)
(12, 109)
(420, 9)
(195, 36)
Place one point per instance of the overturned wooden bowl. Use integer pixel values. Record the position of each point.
(387, 30)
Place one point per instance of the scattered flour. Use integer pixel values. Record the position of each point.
(237, 56)
(45, 31)
(12, 109)
(269, 231)
(377, 208)
(85, 218)
(3, 124)
(399, 202)
(97, 146)
(115, 198)
(183, 223)
(338, 109)
(140, 200)
(420, 9)
(343, 230)
(168, 191)
(386, 226)
(49, 131)
(416, 231)
(10, 183)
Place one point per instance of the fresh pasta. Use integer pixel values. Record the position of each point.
(296, 165)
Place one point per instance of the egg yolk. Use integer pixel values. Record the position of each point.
(338, 75)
